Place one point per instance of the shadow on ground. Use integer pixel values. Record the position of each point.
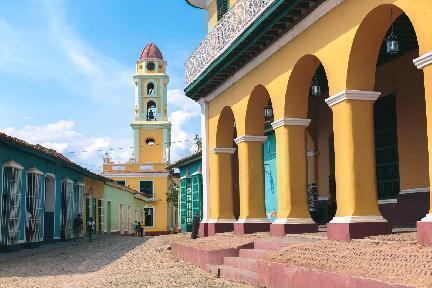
(67, 258)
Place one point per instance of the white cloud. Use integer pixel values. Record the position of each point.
(63, 137)
(52, 50)
(188, 112)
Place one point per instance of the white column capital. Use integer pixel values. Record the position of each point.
(423, 61)
(352, 95)
(250, 138)
(290, 122)
(217, 150)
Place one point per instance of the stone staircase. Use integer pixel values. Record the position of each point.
(244, 268)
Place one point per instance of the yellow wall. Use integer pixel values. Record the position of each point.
(160, 186)
(351, 33)
(151, 153)
(97, 188)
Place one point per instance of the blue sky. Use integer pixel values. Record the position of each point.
(66, 71)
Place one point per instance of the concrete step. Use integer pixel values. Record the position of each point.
(253, 253)
(239, 275)
(268, 245)
(242, 263)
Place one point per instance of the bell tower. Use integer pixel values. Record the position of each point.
(151, 129)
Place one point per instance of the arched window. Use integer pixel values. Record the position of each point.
(222, 8)
(151, 90)
(151, 111)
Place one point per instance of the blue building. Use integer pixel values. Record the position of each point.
(191, 191)
(41, 193)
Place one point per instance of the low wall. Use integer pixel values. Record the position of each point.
(202, 257)
(278, 275)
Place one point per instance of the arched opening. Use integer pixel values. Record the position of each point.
(388, 69)
(226, 133)
(151, 89)
(305, 99)
(151, 111)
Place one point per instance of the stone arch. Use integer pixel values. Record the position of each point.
(298, 87)
(370, 34)
(225, 128)
(254, 120)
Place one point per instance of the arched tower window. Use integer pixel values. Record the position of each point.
(222, 8)
(151, 111)
(151, 89)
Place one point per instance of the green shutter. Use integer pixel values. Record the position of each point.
(196, 194)
(183, 201)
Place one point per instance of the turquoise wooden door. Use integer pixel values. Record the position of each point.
(196, 194)
(270, 181)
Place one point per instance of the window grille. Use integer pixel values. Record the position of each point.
(222, 8)
(10, 206)
(386, 148)
(146, 187)
(67, 209)
(34, 215)
(101, 211)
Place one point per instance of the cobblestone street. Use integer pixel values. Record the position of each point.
(108, 262)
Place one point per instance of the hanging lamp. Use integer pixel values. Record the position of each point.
(392, 42)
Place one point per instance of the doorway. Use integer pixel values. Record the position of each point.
(49, 214)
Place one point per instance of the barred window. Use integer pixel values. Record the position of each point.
(10, 204)
(222, 8)
(34, 215)
(67, 209)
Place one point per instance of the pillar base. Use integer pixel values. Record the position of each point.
(354, 228)
(249, 226)
(277, 229)
(424, 230)
(220, 227)
(203, 230)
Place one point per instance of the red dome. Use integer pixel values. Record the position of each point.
(151, 51)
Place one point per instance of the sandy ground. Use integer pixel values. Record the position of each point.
(108, 262)
(395, 258)
(224, 240)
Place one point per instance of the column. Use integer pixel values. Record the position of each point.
(203, 230)
(293, 212)
(251, 179)
(424, 227)
(222, 216)
(357, 213)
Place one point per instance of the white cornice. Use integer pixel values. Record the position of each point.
(352, 95)
(358, 219)
(415, 190)
(423, 61)
(387, 201)
(34, 170)
(223, 150)
(50, 176)
(290, 122)
(221, 221)
(304, 24)
(249, 138)
(13, 164)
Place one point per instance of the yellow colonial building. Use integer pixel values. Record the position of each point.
(146, 170)
(342, 89)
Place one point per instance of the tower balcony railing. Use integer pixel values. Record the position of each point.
(226, 31)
